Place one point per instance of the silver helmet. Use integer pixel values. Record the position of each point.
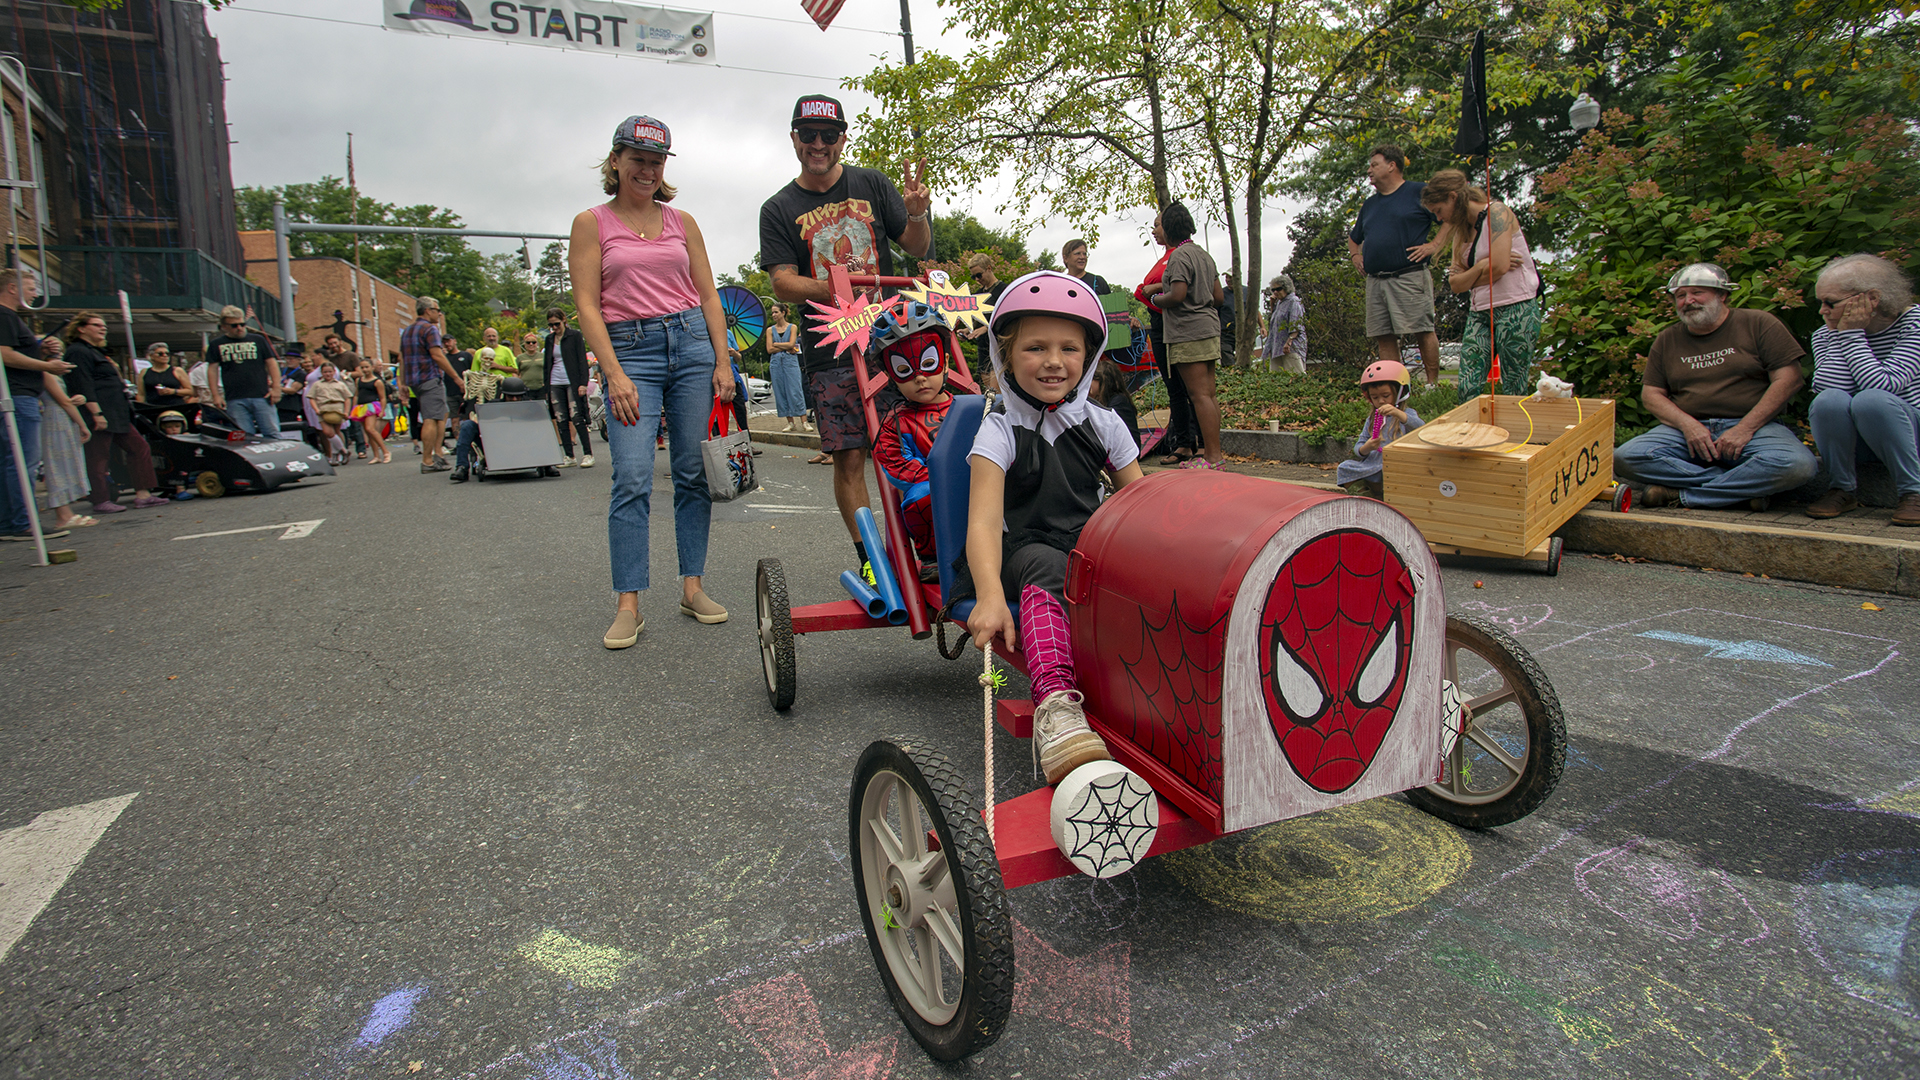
(1700, 276)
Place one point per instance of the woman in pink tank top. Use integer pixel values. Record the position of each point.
(649, 310)
(1490, 258)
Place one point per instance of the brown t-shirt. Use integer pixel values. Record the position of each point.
(1722, 375)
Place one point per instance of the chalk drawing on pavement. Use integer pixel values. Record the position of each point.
(1514, 620)
(388, 1015)
(1668, 897)
(596, 967)
(1737, 650)
(1358, 862)
(1094, 993)
(781, 1020)
(1859, 914)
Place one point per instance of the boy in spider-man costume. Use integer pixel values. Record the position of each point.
(913, 347)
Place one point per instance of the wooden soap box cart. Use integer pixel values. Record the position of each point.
(1506, 500)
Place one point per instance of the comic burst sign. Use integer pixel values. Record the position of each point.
(963, 307)
(848, 326)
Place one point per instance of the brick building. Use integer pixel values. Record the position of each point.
(325, 285)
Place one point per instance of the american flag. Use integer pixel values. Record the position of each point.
(821, 11)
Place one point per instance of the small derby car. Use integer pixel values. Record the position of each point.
(210, 456)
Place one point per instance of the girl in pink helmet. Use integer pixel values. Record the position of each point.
(1387, 388)
(1036, 480)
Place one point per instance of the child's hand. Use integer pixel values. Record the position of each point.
(991, 617)
(1367, 447)
(1389, 410)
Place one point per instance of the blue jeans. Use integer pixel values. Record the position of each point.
(255, 416)
(1871, 425)
(1773, 461)
(463, 446)
(16, 494)
(670, 360)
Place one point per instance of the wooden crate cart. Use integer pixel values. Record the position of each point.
(1505, 500)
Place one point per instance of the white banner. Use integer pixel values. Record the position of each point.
(593, 25)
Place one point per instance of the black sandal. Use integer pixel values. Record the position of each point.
(1178, 457)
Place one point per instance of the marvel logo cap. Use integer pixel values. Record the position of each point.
(644, 133)
(819, 109)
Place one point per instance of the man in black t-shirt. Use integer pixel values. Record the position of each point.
(244, 375)
(835, 214)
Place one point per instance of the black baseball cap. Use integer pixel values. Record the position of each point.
(819, 109)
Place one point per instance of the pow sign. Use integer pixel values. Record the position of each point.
(962, 306)
(848, 326)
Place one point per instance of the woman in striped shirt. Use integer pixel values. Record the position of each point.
(1867, 379)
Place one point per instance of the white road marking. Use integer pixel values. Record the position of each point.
(294, 530)
(37, 858)
(774, 508)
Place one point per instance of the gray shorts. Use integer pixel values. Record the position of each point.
(1398, 306)
(433, 400)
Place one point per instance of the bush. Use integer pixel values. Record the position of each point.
(1704, 181)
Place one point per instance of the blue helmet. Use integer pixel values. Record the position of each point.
(909, 319)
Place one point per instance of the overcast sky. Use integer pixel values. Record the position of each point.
(510, 136)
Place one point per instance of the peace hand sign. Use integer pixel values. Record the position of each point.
(913, 190)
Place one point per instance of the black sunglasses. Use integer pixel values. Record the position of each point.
(823, 136)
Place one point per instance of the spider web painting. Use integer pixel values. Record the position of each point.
(1112, 825)
(1173, 678)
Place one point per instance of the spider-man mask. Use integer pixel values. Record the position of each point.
(1336, 636)
(913, 356)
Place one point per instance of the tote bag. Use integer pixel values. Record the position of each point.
(728, 458)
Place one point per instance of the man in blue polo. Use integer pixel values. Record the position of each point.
(1389, 244)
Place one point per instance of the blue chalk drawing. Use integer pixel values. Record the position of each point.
(389, 1014)
(1739, 650)
(587, 1056)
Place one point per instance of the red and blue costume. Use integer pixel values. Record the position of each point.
(907, 433)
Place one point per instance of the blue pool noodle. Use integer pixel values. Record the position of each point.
(883, 581)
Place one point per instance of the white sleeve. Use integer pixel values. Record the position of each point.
(994, 440)
(1114, 436)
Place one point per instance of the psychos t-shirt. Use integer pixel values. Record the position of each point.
(847, 225)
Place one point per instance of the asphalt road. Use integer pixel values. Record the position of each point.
(394, 804)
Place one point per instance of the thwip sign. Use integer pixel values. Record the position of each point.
(593, 25)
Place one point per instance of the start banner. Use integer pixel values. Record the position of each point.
(594, 25)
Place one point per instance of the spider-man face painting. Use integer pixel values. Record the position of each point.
(1336, 636)
(913, 356)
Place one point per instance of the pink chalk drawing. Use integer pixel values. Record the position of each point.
(1092, 994)
(1675, 901)
(781, 1020)
(1514, 620)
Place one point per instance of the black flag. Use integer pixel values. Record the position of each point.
(1472, 139)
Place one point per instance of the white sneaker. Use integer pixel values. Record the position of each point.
(586, 461)
(566, 462)
(1062, 741)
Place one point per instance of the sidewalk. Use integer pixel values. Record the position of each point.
(1860, 550)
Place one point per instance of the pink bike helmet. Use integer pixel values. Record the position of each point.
(1047, 292)
(1386, 371)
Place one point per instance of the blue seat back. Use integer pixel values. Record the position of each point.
(950, 477)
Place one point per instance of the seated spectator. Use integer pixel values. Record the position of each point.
(1715, 380)
(1867, 375)
(1109, 391)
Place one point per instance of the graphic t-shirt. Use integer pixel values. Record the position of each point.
(847, 225)
(1722, 375)
(15, 335)
(243, 364)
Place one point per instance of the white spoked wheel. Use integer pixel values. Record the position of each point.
(931, 898)
(775, 619)
(1506, 743)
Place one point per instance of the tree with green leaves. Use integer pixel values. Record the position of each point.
(450, 270)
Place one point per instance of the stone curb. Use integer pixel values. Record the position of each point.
(1824, 558)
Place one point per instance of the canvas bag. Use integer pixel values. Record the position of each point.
(727, 458)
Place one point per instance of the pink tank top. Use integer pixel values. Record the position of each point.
(641, 278)
(1515, 285)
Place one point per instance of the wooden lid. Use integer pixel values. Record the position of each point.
(1455, 436)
